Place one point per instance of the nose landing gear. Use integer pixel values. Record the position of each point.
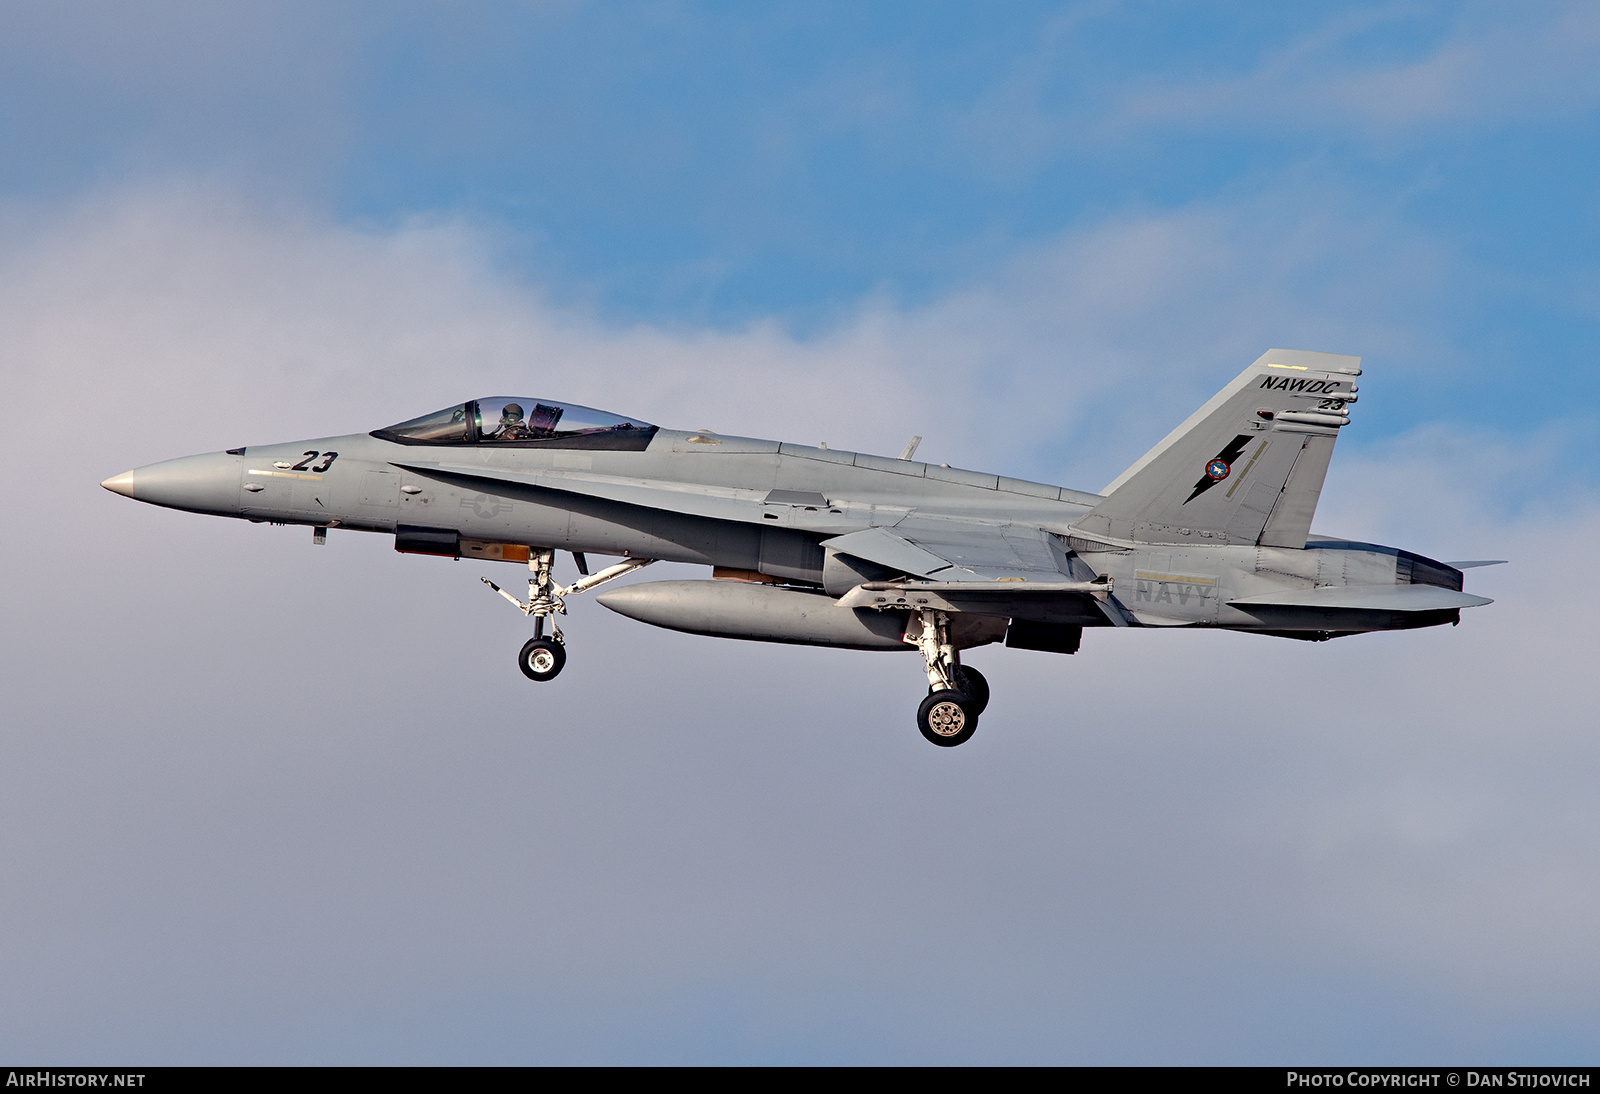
(543, 658)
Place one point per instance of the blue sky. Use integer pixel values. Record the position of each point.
(1037, 234)
(722, 165)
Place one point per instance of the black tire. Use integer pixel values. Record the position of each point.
(971, 682)
(946, 718)
(541, 659)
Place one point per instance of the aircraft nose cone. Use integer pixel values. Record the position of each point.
(120, 484)
(200, 484)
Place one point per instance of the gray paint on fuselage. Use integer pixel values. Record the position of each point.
(541, 517)
(1177, 586)
(1168, 584)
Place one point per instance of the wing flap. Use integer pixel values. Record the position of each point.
(1043, 601)
(1386, 598)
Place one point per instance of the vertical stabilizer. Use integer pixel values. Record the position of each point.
(1245, 468)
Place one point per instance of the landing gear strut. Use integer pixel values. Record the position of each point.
(542, 658)
(956, 694)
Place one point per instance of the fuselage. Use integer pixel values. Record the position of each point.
(1211, 528)
(363, 482)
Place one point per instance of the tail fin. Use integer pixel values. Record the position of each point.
(1245, 468)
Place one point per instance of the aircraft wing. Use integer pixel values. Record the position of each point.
(979, 567)
(896, 552)
(950, 548)
(922, 544)
(1006, 569)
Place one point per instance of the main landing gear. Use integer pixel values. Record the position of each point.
(957, 694)
(543, 658)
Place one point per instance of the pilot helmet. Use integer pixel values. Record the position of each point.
(512, 412)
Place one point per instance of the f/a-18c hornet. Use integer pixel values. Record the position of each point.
(1210, 528)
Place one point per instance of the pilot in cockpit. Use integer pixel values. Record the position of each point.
(511, 427)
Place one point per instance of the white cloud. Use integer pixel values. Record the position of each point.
(1492, 65)
(1385, 72)
(1115, 330)
(270, 802)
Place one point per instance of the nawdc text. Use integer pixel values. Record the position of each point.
(1292, 383)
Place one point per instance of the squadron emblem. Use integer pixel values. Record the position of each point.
(1220, 466)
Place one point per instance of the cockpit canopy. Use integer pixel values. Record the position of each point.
(522, 423)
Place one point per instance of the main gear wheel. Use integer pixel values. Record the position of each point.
(970, 681)
(947, 718)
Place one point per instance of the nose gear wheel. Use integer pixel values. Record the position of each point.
(542, 659)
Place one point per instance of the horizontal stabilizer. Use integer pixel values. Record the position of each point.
(1475, 564)
(1383, 598)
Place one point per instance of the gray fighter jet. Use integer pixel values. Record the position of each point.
(1211, 528)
